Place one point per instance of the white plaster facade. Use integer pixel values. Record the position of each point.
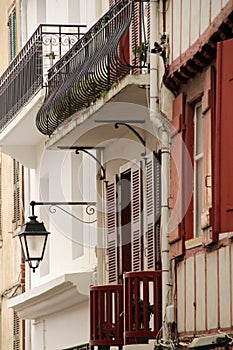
(54, 176)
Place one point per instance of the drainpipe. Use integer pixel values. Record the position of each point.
(163, 135)
(27, 191)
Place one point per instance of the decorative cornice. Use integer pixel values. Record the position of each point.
(54, 296)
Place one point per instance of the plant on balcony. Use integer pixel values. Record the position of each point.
(103, 335)
(141, 52)
(150, 311)
(112, 330)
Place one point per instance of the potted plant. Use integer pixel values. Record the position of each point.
(141, 52)
(104, 335)
(150, 312)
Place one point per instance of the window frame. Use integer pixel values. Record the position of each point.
(198, 157)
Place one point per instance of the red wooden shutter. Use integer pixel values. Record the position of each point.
(112, 2)
(153, 211)
(111, 209)
(135, 32)
(223, 167)
(176, 236)
(136, 217)
(147, 9)
(208, 119)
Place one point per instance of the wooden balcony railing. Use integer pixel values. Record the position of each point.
(142, 305)
(106, 305)
(128, 313)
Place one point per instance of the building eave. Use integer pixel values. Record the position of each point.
(202, 52)
(54, 296)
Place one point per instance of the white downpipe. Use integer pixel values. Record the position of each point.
(27, 191)
(163, 135)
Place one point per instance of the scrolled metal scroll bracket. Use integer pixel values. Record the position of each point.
(143, 142)
(90, 208)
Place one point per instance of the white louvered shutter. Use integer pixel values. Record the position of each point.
(111, 208)
(153, 211)
(136, 217)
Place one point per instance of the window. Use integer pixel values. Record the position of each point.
(198, 169)
(12, 34)
(133, 224)
(212, 155)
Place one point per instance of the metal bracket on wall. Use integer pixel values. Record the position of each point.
(85, 150)
(143, 142)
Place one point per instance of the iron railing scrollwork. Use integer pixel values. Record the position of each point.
(27, 73)
(89, 69)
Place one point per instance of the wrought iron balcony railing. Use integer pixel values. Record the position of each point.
(128, 313)
(90, 68)
(27, 73)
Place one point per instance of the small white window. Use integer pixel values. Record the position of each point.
(198, 168)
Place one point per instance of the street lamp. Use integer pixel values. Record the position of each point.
(33, 236)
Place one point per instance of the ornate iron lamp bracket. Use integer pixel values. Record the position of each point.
(89, 206)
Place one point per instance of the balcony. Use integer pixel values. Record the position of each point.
(27, 73)
(91, 68)
(126, 314)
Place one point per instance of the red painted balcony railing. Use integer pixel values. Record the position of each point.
(142, 305)
(106, 305)
(128, 313)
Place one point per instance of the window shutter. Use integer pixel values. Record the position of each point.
(16, 189)
(135, 32)
(111, 208)
(208, 118)
(223, 167)
(112, 3)
(147, 9)
(12, 34)
(136, 216)
(16, 332)
(176, 236)
(153, 210)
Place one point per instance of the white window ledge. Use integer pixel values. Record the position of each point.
(194, 242)
(53, 296)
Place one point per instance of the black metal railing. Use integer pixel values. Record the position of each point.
(79, 347)
(89, 69)
(27, 73)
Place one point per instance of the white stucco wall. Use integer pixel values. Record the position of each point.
(36, 12)
(63, 329)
